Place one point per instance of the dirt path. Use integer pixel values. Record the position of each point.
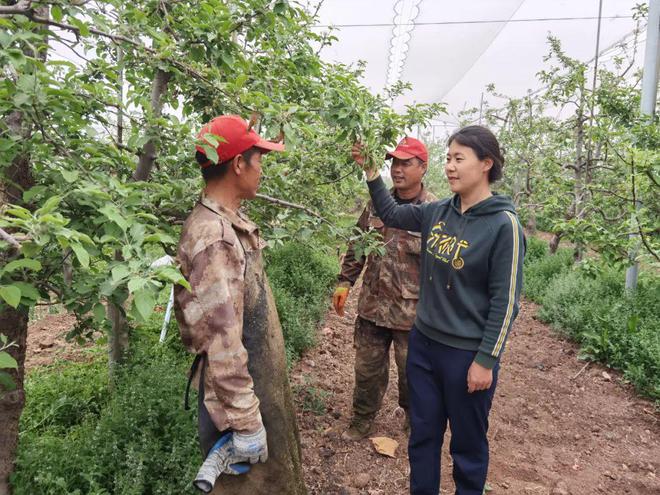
(556, 428)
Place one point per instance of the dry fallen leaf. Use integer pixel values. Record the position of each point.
(385, 446)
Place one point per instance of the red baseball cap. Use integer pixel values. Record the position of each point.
(409, 147)
(234, 138)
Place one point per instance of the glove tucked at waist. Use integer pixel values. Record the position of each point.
(251, 446)
(219, 460)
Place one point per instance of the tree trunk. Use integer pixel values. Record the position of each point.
(148, 153)
(18, 176)
(580, 165)
(118, 339)
(16, 179)
(554, 243)
(13, 322)
(531, 221)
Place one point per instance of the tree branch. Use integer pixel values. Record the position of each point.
(22, 7)
(617, 218)
(334, 180)
(611, 193)
(649, 174)
(287, 204)
(646, 244)
(7, 237)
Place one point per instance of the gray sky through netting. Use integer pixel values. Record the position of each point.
(450, 51)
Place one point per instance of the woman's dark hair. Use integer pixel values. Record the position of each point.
(219, 170)
(484, 144)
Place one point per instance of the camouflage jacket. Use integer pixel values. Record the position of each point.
(390, 288)
(212, 256)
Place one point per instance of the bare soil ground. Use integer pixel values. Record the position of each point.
(46, 341)
(556, 427)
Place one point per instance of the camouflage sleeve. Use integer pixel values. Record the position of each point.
(214, 314)
(351, 267)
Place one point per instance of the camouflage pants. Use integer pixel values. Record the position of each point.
(372, 366)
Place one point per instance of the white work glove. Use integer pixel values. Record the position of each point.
(218, 461)
(252, 447)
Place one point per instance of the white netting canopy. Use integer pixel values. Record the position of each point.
(450, 51)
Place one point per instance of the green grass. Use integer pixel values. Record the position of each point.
(301, 278)
(79, 437)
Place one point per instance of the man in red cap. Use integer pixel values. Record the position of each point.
(390, 289)
(228, 319)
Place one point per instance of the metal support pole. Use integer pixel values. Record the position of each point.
(649, 96)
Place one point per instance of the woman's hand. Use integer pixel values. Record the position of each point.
(479, 378)
(357, 152)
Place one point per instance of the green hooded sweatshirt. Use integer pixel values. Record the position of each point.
(471, 268)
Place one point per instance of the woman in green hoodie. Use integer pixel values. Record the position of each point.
(471, 275)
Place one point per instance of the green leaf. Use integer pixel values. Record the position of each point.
(81, 254)
(85, 239)
(82, 27)
(280, 7)
(144, 303)
(210, 153)
(135, 284)
(212, 139)
(147, 216)
(56, 12)
(32, 192)
(99, 312)
(171, 274)
(5, 39)
(19, 212)
(108, 239)
(49, 206)
(6, 382)
(28, 263)
(70, 176)
(112, 213)
(21, 99)
(28, 291)
(6, 361)
(227, 58)
(119, 272)
(241, 80)
(11, 294)
(30, 248)
(161, 237)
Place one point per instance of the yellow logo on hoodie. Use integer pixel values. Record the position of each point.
(445, 247)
